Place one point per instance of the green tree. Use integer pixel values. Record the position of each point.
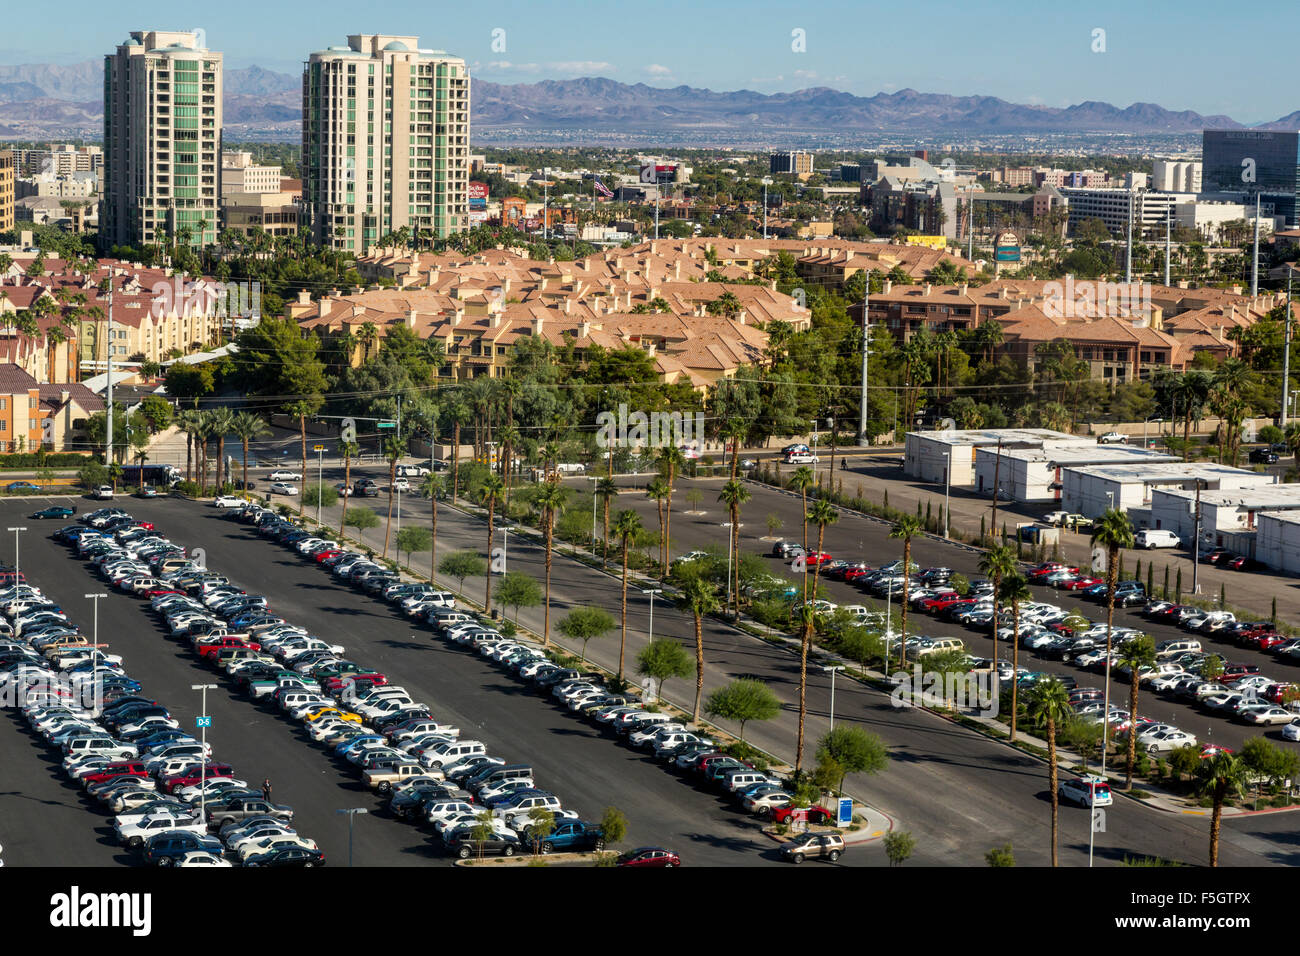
(743, 700)
(363, 519)
(854, 750)
(1000, 856)
(733, 495)
(413, 539)
(541, 824)
(899, 845)
(613, 825)
(394, 449)
(324, 495)
(1135, 655)
(997, 562)
(699, 597)
(460, 565)
(663, 659)
(906, 527)
(1049, 708)
(517, 589)
(247, 427)
(584, 623)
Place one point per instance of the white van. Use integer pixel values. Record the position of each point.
(1176, 647)
(1156, 538)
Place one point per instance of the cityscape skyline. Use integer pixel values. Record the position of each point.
(1066, 63)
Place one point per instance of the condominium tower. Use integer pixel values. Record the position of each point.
(385, 141)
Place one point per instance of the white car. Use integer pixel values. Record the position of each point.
(1112, 438)
(412, 471)
(1167, 740)
(266, 844)
(1089, 791)
(103, 493)
(401, 484)
(443, 810)
(286, 474)
(1265, 714)
(228, 501)
(1292, 730)
(199, 858)
(283, 488)
(134, 834)
(764, 803)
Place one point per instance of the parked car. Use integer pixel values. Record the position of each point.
(814, 846)
(649, 856)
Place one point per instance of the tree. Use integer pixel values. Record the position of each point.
(516, 589)
(613, 825)
(1219, 777)
(1112, 532)
(1000, 856)
(322, 494)
(733, 495)
(899, 845)
(1049, 708)
(606, 491)
(743, 700)
(300, 410)
(432, 488)
(699, 597)
(854, 750)
(1135, 655)
(413, 539)
(550, 500)
(584, 623)
(223, 420)
(157, 411)
(822, 514)
(996, 562)
(906, 528)
(459, 565)
(662, 659)
(541, 824)
(247, 426)
(803, 479)
(363, 519)
(489, 494)
(657, 490)
(627, 527)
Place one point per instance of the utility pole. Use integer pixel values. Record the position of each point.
(1196, 545)
(1128, 250)
(1254, 259)
(863, 438)
(108, 441)
(1169, 213)
(1286, 348)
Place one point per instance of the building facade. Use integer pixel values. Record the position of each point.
(795, 162)
(1241, 163)
(385, 141)
(162, 140)
(6, 190)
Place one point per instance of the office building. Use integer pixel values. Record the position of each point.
(1175, 176)
(1114, 206)
(239, 174)
(1239, 163)
(795, 162)
(385, 141)
(6, 190)
(162, 140)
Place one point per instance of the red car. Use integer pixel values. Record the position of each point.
(111, 771)
(327, 553)
(816, 558)
(333, 685)
(814, 814)
(193, 775)
(852, 573)
(221, 643)
(1274, 693)
(1265, 641)
(160, 591)
(1081, 582)
(649, 856)
(1046, 568)
(940, 601)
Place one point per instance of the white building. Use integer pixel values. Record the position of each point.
(1094, 489)
(1208, 218)
(1034, 474)
(239, 174)
(1175, 176)
(1277, 540)
(1223, 513)
(949, 456)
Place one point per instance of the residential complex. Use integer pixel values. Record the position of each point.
(385, 141)
(162, 140)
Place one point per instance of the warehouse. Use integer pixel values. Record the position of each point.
(1091, 490)
(1228, 518)
(1277, 540)
(1034, 474)
(949, 455)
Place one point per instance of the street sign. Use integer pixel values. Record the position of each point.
(386, 425)
(844, 812)
(317, 447)
(203, 722)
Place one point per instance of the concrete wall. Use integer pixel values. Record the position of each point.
(929, 460)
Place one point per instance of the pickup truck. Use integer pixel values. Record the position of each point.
(385, 778)
(241, 808)
(574, 836)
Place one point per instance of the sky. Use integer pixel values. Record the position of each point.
(1183, 55)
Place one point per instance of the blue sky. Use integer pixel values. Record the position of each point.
(1182, 54)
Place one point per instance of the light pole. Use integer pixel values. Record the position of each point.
(947, 487)
(730, 538)
(505, 546)
(652, 592)
(831, 670)
(320, 478)
(352, 815)
(16, 532)
(94, 679)
(767, 181)
(203, 722)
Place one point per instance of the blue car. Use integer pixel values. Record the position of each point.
(21, 487)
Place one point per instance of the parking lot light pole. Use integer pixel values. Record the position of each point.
(352, 815)
(652, 592)
(203, 747)
(727, 525)
(320, 478)
(831, 670)
(505, 547)
(94, 679)
(16, 532)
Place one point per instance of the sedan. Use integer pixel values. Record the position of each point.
(286, 474)
(282, 488)
(649, 856)
(1265, 714)
(54, 511)
(228, 501)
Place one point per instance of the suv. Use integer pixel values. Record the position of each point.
(828, 846)
(785, 550)
(1263, 456)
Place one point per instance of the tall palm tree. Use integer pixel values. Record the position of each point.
(349, 450)
(1049, 708)
(187, 421)
(670, 460)
(223, 420)
(300, 410)
(394, 449)
(1190, 393)
(203, 431)
(699, 597)
(658, 490)
(489, 494)
(606, 491)
(997, 562)
(1135, 655)
(248, 426)
(906, 527)
(626, 527)
(735, 431)
(1112, 532)
(1219, 777)
(459, 413)
(733, 495)
(1013, 590)
(432, 486)
(822, 514)
(803, 479)
(550, 500)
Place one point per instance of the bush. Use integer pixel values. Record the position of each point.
(188, 488)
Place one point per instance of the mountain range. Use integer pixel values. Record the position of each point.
(48, 101)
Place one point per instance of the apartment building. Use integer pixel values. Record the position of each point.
(62, 159)
(1114, 207)
(7, 168)
(1175, 176)
(239, 174)
(162, 140)
(794, 162)
(385, 141)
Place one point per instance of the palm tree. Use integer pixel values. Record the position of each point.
(367, 336)
(906, 528)
(996, 562)
(394, 449)
(803, 479)
(1218, 777)
(1014, 589)
(627, 526)
(223, 420)
(735, 431)
(202, 432)
(300, 410)
(658, 490)
(141, 456)
(606, 491)
(699, 597)
(348, 449)
(733, 495)
(432, 486)
(1049, 708)
(459, 413)
(187, 421)
(550, 500)
(670, 460)
(1112, 532)
(248, 426)
(489, 494)
(1135, 655)
(1191, 391)
(822, 514)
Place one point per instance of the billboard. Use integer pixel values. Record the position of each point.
(478, 196)
(477, 217)
(930, 242)
(1007, 248)
(658, 172)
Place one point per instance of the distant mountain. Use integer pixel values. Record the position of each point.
(47, 100)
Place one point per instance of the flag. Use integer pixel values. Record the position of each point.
(601, 188)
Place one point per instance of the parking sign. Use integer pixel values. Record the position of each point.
(203, 722)
(844, 812)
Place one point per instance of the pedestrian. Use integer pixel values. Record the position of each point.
(266, 789)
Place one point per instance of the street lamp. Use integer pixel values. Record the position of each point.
(352, 815)
(767, 181)
(593, 481)
(94, 679)
(652, 592)
(730, 538)
(203, 722)
(16, 531)
(831, 670)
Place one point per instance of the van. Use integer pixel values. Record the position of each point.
(941, 645)
(1156, 538)
(498, 775)
(1176, 647)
